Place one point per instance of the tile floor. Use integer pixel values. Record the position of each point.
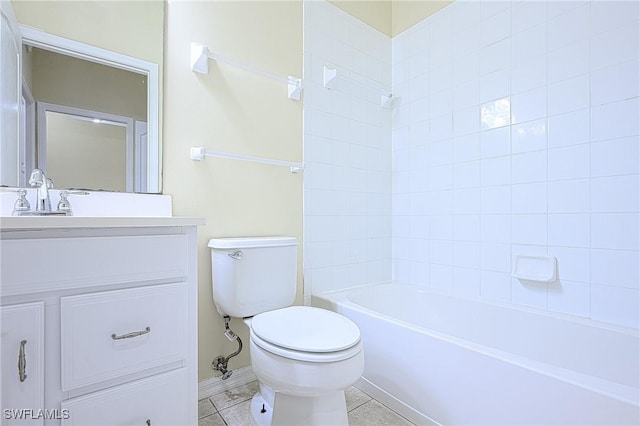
(231, 408)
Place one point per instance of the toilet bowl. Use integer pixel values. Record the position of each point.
(304, 357)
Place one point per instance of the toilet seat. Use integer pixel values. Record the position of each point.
(306, 333)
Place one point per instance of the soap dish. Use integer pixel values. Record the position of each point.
(535, 268)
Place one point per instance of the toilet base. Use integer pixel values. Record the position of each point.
(289, 410)
(261, 411)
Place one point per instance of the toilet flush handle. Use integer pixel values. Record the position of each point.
(237, 255)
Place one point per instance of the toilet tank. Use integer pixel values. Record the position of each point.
(253, 275)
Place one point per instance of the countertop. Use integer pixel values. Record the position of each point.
(8, 223)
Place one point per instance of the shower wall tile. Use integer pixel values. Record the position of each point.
(569, 129)
(573, 263)
(614, 157)
(495, 285)
(615, 83)
(615, 268)
(529, 293)
(347, 153)
(570, 297)
(615, 194)
(623, 113)
(568, 196)
(615, 231)
(568, 95)
(532, 141)
(570, 162)
(568, 61)
(605, 18)
(614, 304)
(616, 45)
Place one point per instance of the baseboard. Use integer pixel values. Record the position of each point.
(395, 404)
(210, 387)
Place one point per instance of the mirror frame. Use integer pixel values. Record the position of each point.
(37, 38)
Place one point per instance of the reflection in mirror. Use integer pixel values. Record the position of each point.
(85, 98)
(89, 149)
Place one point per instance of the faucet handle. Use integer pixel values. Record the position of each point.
(21, 204)
(64, 205)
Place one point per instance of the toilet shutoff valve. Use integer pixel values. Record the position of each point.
(220, 363)
(230, 334)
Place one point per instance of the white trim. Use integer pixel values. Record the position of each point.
(29, 150)
(141, 158)
(127, 122)
(210, 387)
(35, 37)
(43, 40)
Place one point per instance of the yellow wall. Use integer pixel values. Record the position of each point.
(376, 13)
(406, 13)
(391, 17)
(133, 28)
(239, 112)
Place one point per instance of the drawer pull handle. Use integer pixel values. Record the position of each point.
(132, 334)
(22, 362)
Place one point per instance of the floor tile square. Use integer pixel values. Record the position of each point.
(234, 396)
(374, 413)
(355, 398)
(212, 420)
(237, 415)
(205, 408)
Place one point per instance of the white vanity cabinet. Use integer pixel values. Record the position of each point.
(108, 310)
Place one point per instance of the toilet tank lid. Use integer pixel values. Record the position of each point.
(249, 242)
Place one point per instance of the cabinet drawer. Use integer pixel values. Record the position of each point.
(158, 400)
(111, 334)
(84, 261)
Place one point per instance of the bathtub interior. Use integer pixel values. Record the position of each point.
(587, 348)
(592, 353)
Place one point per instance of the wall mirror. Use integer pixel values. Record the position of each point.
(89, 116)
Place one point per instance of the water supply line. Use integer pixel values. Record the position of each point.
(220, 362)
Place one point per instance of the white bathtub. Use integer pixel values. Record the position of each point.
(454, 361)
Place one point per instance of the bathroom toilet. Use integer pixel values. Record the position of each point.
(304, 357)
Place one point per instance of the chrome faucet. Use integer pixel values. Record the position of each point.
(42, 184)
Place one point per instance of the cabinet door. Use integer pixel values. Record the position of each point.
(21, 365)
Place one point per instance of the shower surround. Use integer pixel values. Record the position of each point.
(516, 131)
